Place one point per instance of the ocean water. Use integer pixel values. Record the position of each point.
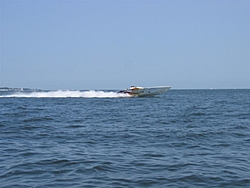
(183, 138)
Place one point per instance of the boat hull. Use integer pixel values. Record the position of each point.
(146, 91)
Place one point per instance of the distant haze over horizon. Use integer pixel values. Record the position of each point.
(44, 89)
(98, 45)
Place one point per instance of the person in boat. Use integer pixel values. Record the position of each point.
(134, 88)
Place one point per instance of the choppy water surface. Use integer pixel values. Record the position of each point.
(184, 138)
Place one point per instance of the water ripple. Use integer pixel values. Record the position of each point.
(189, 138)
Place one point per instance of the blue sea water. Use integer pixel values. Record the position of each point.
(183, 138)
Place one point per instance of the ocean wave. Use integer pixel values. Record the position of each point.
(66, 94)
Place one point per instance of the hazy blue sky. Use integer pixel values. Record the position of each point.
(115, 44)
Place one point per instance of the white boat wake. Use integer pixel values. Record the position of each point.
(66, 94)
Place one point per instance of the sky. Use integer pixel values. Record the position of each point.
(113, 44)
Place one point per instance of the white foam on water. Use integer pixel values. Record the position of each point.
(68, 94)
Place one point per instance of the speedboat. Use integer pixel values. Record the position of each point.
(145, 91)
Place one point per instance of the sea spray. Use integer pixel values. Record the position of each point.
(67, 94)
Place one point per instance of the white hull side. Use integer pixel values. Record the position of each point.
(150, 91)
